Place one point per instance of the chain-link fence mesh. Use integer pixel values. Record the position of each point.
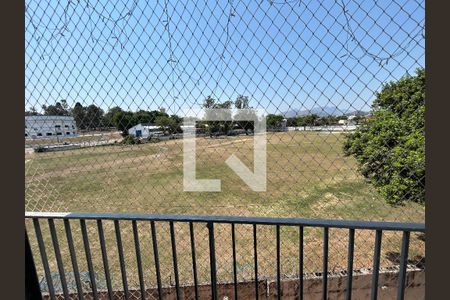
(109, 84)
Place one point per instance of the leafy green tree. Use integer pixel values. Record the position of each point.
(274, 121)
(216, 127)
(301, 121)
(58, 109)
(31, 112)
(390, 146)
(79, 114)
(108, 118)
(209, 102)
(93, 117)
(123, 121)
(143, 116)
(167, 124)
(311, 120)
(242, 102)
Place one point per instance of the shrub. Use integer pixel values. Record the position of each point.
(390, 146)
(40, 149)
(129, 140)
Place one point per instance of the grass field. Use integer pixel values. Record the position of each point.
(308, 176)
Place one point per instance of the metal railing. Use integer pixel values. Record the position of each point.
(37, 218)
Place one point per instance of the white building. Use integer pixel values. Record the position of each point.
(49, 126)
(144, 130)
(349, 122)
(147, 130)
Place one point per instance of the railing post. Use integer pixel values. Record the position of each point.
(325, 264)
(278, 262)
(194, 259)
(351, 249)
(403, 266)
(300, 261)
(212, 260)
(376, 265)
(32, 288)
(233, 246)
(255, 257)
(175, 261)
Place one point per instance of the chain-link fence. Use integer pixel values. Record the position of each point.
(110, 87)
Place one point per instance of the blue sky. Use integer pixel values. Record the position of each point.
(284, 55)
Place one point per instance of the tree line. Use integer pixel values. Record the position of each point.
(93, 117)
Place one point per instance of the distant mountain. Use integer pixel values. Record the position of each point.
(322, 112)
(358, 113)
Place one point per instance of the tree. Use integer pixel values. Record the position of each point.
(217, 127)
(291, 122)
(274, 121)
(167, 124)
(93, 117)
(390, 146)
(209, 102)
(123, 120)
(108, 118)
(31, 112)
(225, 105)
(241, 102)
(58, 109)
(311, 120)
(243, 117)
(79, 114)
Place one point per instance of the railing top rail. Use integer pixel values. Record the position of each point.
(349, 224)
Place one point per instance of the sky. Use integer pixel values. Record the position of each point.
(284, 55)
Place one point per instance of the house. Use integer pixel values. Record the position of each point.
(145, 130)
(49, 127)
(152, 130)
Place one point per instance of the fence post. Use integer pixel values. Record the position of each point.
(32, 288)
(212, 260)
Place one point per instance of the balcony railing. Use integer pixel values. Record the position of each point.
(34, 288)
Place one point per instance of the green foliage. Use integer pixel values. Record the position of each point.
(78, 113)
(31, 112)
(216, 127)
(93, 116)
(169, 124)
(241, 102)
(108, 118)
(39, 149)
(86, 117)
(60, 108)
(123, 121)
(129, 140)
(390, 146)
(273, 121)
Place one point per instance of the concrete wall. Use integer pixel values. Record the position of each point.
(312, 288)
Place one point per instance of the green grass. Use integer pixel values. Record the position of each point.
(308, 176)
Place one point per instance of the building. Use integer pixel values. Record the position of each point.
(151, 130)
(350, 121)
(145, 130)
(49, 127)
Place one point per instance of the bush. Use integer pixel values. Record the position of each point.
(390, 146)
(39, 149)
(129, 140)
